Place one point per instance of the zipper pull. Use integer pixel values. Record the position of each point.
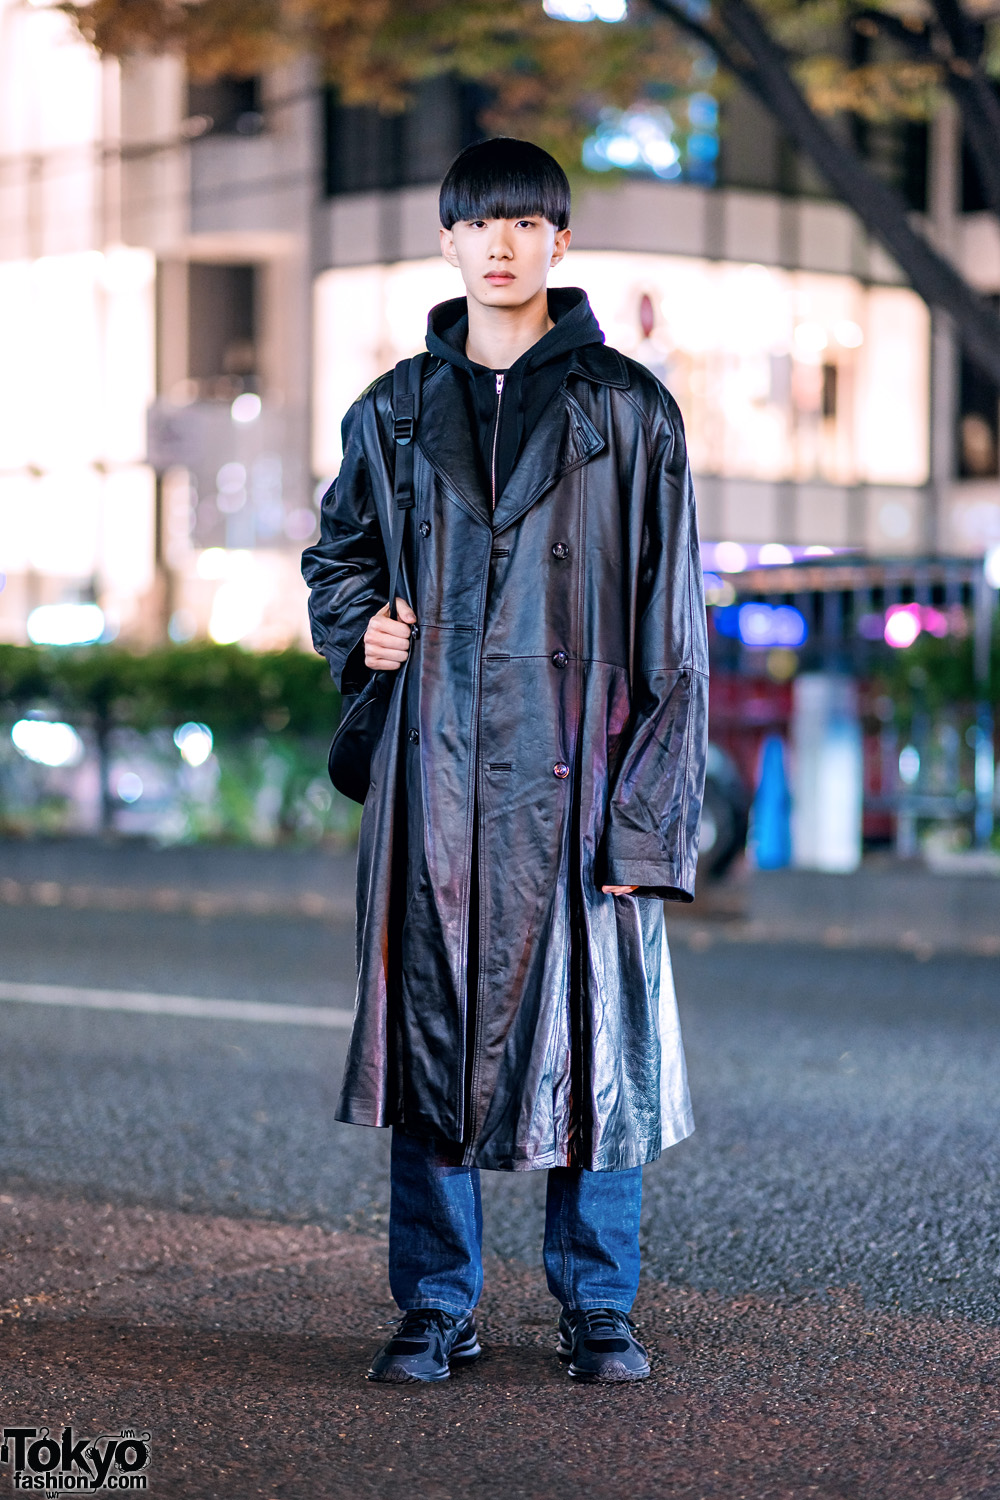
(496, 437)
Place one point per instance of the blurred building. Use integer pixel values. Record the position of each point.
(197, 280)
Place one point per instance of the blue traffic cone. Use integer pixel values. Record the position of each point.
(771, 816)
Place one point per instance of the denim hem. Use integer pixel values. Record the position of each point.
(596, 1306)
(448, 1307)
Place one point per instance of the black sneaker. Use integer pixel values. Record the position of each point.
(425, 1344)
(600, 1344)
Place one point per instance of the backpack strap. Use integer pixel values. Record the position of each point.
(407, 379)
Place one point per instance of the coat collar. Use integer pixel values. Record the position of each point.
(563, 439)
(602, 365)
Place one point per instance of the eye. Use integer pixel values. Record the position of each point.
(477, 223)
(525, 224)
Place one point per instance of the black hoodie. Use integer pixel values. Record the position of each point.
(502, 412)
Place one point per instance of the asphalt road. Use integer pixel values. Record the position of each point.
(846, 1104)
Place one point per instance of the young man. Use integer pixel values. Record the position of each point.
(536, 791)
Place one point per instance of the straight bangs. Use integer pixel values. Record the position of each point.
(504, 179)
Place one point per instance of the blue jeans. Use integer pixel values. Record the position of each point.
(591, 1250)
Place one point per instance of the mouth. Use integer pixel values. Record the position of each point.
(499, 278)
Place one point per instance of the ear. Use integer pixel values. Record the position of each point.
(448, 247)
(560, 245)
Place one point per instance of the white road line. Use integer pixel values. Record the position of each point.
(178, 1005)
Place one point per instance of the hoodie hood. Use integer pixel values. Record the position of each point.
(569, 309)
(501, 425)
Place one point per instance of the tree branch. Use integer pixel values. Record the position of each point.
(880, 208)
(681, 17)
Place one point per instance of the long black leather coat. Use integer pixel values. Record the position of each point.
(548, 729)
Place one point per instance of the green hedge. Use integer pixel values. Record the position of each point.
(935, 675)
(234, 692)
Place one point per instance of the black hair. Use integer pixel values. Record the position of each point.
(504, 179)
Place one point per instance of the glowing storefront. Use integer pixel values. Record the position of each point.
(801, 391)
(77, 359)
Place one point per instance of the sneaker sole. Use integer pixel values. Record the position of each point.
(465, 1356)
(614, 1370)
(395, 1375)
(612, 1373)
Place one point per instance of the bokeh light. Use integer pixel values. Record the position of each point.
(759, 624)
(909, 765)
(194, 741)
(902, 625)
(65, 624)
(246, 408)
(718, 591)
(587, 10)
(730, 557)
(47, 744)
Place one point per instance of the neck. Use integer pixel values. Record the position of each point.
(500, 335)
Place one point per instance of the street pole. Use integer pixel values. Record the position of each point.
(985, 765)
(163, 586)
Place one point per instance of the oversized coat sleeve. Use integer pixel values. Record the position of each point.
(654, 811)
(346, 570)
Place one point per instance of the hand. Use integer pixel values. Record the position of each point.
(387, 642)
(619, 890)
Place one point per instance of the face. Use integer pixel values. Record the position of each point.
(504, 262)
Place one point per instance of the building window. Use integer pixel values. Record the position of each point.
(896, 150)
(368, 151)
(978, 421)
(222, 329)
(224, 106)
(974, 199)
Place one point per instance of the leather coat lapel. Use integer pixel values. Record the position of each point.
(446, 440)
(564, 437)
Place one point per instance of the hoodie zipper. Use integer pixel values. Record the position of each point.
(496, 436)
(477, 1040)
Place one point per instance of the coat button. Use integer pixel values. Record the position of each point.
(560, 659)
(424, 528)
(560, 549)
(560, 769)
(414, 736)
(414, 632)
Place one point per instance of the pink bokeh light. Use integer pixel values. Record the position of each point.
(902, 625)
(934, 621)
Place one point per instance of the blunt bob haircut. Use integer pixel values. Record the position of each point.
(504, 179)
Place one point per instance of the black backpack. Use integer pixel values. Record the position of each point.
(363, 716)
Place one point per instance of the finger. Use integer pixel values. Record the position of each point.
(399, 628)
(388, 630)
(398, 650)
(404, 612)
(379, 663)
(390, 650)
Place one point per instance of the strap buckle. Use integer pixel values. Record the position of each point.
(403, 421)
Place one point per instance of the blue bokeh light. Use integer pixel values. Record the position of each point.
(762, 625)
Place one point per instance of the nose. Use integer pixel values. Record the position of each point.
(500, 247)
